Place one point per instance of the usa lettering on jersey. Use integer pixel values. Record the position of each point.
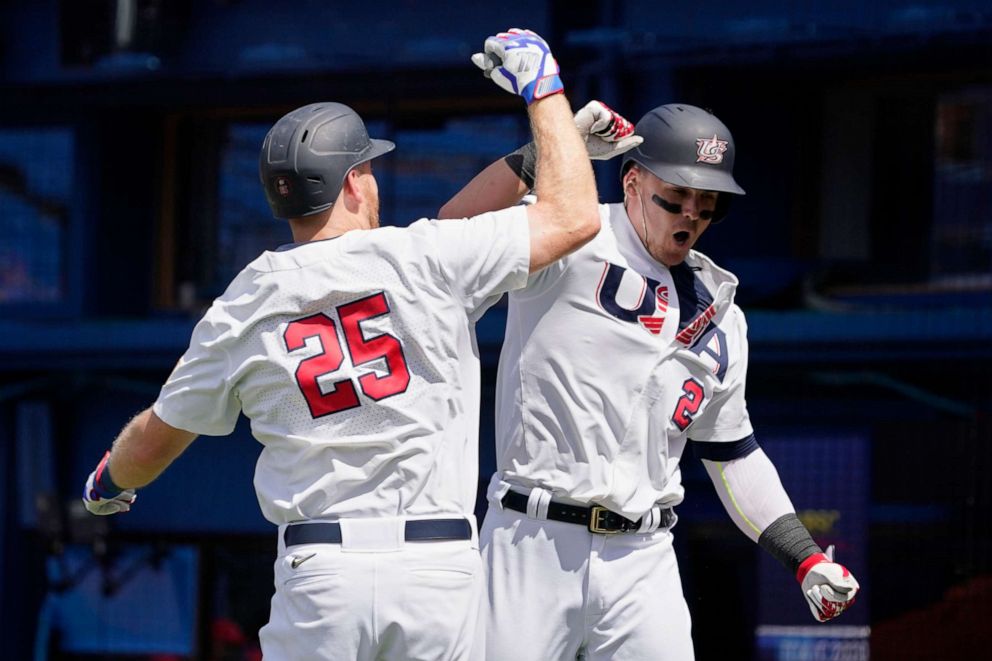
(648, 311)
(713, 347)
(701, 336)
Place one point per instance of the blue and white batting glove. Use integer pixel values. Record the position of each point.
(520, 62)
(101, 496)
(829, 587)
(606, 132)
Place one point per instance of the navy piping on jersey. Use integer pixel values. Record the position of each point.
(693, 296)
(724, 451)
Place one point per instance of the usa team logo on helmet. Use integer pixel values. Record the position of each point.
(710, 150)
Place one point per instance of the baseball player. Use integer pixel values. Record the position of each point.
(616, 359)
(352, 352)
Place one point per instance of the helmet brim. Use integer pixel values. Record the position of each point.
(377, 148)
(714, 180)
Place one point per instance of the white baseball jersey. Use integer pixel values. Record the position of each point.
(611, 362)
(355, 360)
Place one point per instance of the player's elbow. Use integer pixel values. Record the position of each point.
(576, 210)
(589, 221)
(556, 231)
(581, 224)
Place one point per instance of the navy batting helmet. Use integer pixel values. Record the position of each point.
(306, 155)
(686, 146)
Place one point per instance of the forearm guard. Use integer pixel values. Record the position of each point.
(523, 162)
(788, 541)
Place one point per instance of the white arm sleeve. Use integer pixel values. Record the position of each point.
(750, 490)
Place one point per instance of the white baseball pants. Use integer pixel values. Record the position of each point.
(373, 598)
(558, 593)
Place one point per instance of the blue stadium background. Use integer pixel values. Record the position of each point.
(129, 132)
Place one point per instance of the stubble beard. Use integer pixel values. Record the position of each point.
(373, 213)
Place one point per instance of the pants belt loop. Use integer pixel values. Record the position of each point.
(651, 520)
(537, 503)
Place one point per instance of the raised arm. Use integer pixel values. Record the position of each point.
(566, 215)
(496, 187)
(605, 133)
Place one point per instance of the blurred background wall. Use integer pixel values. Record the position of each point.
(129, 197)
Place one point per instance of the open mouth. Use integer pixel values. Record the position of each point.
(681, 238)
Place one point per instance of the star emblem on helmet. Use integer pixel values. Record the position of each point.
(710, 150)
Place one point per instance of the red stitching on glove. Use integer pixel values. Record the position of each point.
(832, 609)
(619, 127)
(622, 127)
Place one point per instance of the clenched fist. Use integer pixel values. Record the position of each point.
(520, 62)
(829, 587)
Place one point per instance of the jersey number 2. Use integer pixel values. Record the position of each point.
(688, 403)
(342, 394)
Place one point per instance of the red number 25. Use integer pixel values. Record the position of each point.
(342, 395)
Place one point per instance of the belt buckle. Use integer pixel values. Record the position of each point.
(597, 514)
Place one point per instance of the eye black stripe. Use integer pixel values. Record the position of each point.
(670, 207)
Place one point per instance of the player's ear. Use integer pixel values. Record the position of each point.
(351, 193)
(630, 177)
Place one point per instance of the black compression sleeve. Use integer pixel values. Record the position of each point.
(523, 162)
(788, 541)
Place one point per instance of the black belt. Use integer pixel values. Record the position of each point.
(421, 530)
(596, 518)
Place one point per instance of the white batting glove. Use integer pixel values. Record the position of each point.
(520, 62)
(829, 587)
(102, 501)
(607, 133)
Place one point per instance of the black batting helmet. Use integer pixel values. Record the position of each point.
(307, 153)
(686, 146)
